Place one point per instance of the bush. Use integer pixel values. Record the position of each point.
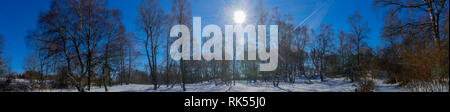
(428, 86)
(366, 86)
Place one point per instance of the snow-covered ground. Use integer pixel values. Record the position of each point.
(17, 85)
(380, 86)
(331, 85)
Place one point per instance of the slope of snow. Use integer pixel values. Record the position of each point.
(331, 85)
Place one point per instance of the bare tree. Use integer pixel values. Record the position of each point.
(358, 32)
(1, 44)
(301, 41)
(2, 63)
(40, 55)
(434, 8)
(31, 66)
(323, 48)
(181, 14)
(169, 63)
(74, 30)
(114, 37)
(133, 52)
(150, 20)
(345, 53)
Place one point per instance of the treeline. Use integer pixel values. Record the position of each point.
(80, 44)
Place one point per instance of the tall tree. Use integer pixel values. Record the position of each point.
(74, 30)
(345, 53)
(150, 20)
(431, 20)
(169, 63)
(181, 14)
(2, 63)
(301, 41)
(114, 38)
(358, 32)
(323, 48)
(434, 9)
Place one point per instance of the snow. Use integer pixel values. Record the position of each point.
(16, 85)
(380, 86)
(330, 85)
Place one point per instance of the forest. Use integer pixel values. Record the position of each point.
(83, 44)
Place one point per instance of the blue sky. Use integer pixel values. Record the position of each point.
(19, 16)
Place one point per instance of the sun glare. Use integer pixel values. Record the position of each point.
(239, 17)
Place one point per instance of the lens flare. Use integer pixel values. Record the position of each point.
(239, 17)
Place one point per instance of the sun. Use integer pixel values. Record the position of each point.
(239, 17)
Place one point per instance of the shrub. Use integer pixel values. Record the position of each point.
(366, 86)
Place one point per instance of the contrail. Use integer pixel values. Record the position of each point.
(310, 15)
